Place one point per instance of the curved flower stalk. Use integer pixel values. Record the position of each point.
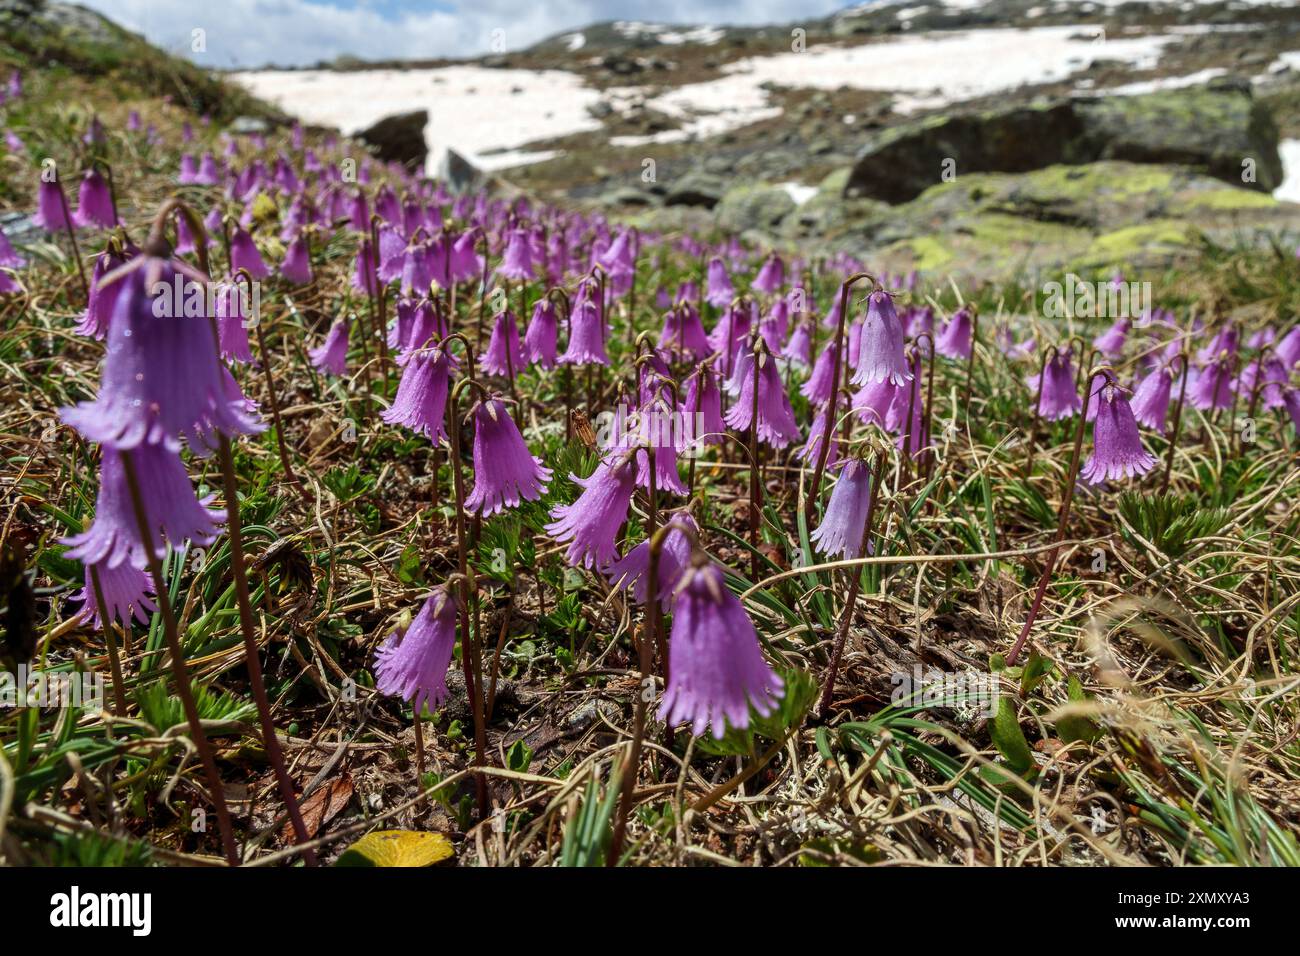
(1067, 498)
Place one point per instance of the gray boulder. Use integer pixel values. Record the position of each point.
(399, 139)
(696, 189)
(756, 206)
(1212, 129)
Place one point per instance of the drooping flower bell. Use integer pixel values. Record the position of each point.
(906, 416)
(844, 524)
(776, 423)
(232, 326)
(729, 335)
(821, 383)
(872, 402)
(127, 590)
(296, 265)
(542, 334)
(175, 515)
(683, 330)
(811, 450)
(95, 202)
(703, 408)
(799, 348)
(517, 260)
(412, 663)
(421, 400)
(1151, 398)
(162, 379)
(332, 356)
(1288, 347)
(656, 424)
(1291, 401)
(244, 255)
(103, 296)
(718, 290)
(10, 258)
(52, 207)
(633, 569)
(591, 523)
(1111, 342)
(1059, 398)
(955, 341)
(880, 349)
(715, 662)
(1212, 386)
(505, 472)
(1117, 450)
(771, 276)
(586, 336)
(504, 355)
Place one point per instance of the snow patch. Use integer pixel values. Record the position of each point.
(484, 114)
(1289, 191)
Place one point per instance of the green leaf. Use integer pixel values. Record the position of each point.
(1010, 739)
(800, 692)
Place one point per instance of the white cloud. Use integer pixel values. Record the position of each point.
(252, 33)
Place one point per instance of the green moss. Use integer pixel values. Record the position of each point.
(1230, 198)
(927, 251)
(1135, 240)
(1113, 178)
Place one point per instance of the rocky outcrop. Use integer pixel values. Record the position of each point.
(1219, 129)
(1086, 218)
(399, 139)
(759, 206)
(696, 188)
(459, 173)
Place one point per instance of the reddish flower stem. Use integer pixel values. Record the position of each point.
(180, 674)
(837, 357)
(1071, 479)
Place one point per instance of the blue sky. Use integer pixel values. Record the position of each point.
(252, 33)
